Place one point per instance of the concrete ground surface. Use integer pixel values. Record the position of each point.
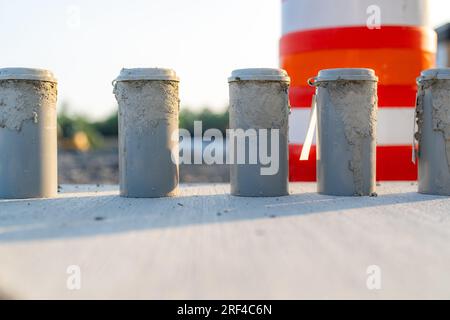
(206, 244)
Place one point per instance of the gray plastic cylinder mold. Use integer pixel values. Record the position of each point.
(148, 122)
(346, 131)
(433, 131)
(259, 111)
(28, 134)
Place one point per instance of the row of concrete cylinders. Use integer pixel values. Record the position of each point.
(346, 106)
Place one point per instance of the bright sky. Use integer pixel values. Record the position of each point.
(203, 40)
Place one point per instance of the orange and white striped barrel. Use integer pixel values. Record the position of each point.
(324, 34)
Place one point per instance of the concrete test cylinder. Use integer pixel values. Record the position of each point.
(259, 115)
(433, 131)
(346, 131)
(148, 123)
(28, 134)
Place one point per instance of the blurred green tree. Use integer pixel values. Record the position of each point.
(69, 125)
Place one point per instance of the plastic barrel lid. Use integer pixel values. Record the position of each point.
(27, 74)
(438, 73)
(259, 74)
(137, 74)
(346, 74)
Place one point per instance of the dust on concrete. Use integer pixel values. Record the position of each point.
(147, 103)
(356, 104)
(419, 111)
(440, 97)
(22, 100)
(271, 99)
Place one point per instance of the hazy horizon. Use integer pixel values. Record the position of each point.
(86, 43)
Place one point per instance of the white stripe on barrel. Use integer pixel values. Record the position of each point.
(394, 127)
(301, 15)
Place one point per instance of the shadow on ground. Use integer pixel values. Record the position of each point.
(86, 212)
